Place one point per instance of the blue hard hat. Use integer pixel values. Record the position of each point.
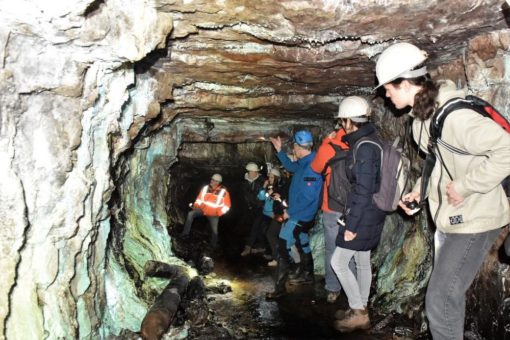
(303, 137)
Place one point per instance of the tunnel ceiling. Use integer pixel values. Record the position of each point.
(266, 57)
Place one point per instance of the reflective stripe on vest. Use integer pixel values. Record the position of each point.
(218, 199)
(200, 198)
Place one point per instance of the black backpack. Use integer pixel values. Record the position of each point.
(339, 184)
(436, 126)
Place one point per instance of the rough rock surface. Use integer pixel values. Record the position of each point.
(86, 87)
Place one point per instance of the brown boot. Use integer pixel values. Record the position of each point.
(358, 319)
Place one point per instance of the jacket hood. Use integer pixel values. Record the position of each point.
(448, 90)
(363, 131)
(251, 180)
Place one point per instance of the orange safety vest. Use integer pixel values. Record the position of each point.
(213, 202)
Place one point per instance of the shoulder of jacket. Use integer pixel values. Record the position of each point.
(448, 90)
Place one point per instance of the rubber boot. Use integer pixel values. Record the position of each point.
(281, 277)
(306, 276)
(282, 272)
(357, 319)
(296, 270)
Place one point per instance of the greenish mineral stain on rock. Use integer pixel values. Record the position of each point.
(144, 237)
(403, 260)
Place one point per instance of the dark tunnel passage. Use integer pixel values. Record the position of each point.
(241, 303)
(197, 163)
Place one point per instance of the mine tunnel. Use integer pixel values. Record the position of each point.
(114, 115)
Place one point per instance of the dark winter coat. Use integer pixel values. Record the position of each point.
(363, 217)
(250, 190)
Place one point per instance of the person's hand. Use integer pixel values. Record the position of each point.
(332, 135)
(349, 236)
(277, 143)
(454, 198)
(285, 215)
(412, 196)
(276, 196)
(266, 183)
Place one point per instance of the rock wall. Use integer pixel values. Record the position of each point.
(66, 79)
(74, 105)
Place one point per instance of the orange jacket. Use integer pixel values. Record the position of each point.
(324, 154)
(213, 202)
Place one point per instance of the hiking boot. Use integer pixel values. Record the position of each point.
(342, 314)
(246, 251)
(332, 296)
(357, 319)
(273, 263)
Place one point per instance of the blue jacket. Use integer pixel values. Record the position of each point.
(268, 203)
(305, 187)
(363, 217)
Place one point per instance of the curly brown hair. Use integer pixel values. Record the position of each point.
(425, 101)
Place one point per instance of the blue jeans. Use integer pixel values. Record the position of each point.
(213, 222)
(330, 233)
(457, 260)
(287, 234)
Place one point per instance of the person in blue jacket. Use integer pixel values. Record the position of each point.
(303, 203)
(361, 230)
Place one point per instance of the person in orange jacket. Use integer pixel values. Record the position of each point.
(330, 214)
(212, 202)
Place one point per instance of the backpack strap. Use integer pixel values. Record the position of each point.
(436, 125)
(340, 154)
(367, 140)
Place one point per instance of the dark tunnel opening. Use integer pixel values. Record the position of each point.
(305, 312)
(197, 163)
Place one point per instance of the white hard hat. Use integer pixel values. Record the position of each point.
(275, 172)
(398, 61)
(252, 167)
(217, 178)
(354, 107)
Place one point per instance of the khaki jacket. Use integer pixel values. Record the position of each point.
(477, 177)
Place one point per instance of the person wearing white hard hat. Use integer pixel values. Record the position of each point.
(361, 227)
(212, 202)
(465, 196)
(253, 182)
(273, 194)
(330, 155)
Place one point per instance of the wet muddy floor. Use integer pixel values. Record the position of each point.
(238, 308)
(302, 314)
(244, 313)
